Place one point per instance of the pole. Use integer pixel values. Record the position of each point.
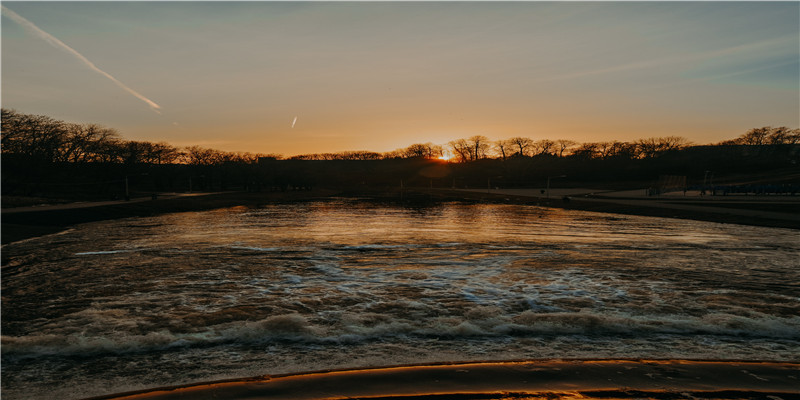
(548, 188)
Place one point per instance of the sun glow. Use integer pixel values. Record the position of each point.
(446, 156)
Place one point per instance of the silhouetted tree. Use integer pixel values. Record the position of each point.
(766, 135)
(87, 143)
(196, 155)
(586, 151)
(422, 150)
(461, 150)
(480, 146)
(503, 147)
(34, 137)
(543, 146)
(563, 145)
(652, 147)
(523, 145)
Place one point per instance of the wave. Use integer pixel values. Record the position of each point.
(349, 328)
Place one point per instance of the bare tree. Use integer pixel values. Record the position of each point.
(622, 150)
(504, 147)
(562, 145)
(543, 146)
(461, 149)
(587, 150)
(654, 146)
(522, 144)
(784, 135)
(35, 137)
(422, 150)
(480, 146)
(87, 142)
(196, 155)
(767, 135)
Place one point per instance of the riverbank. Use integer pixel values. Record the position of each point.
(550, 379)
(27, 222)
(766, 211)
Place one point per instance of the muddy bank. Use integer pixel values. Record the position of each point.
(51, 219)
(557, 379)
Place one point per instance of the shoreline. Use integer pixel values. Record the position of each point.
(551, 379)
(730, 212)
(30, 222)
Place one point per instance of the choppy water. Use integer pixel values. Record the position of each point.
(143, 302)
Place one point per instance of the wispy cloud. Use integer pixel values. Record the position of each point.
(729, 56)
(28, 25)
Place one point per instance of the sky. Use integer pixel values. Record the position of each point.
(309, 77)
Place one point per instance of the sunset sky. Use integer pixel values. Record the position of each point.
(383, 75)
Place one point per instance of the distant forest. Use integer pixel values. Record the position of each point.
(45, 157)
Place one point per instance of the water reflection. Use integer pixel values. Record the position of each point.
(175, 298)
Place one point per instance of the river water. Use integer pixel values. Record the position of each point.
(142, 302)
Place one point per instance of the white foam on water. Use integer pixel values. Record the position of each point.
(314, 291)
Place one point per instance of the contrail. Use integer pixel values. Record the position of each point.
(28, 25)
(295, 121)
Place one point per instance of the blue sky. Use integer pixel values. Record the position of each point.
(383, 75)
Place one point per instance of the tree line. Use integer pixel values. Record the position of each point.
(45, 139)
(45, 157)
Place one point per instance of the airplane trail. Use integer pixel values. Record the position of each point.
(295, 121)
(53, 41)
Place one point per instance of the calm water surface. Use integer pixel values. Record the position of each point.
(142, 302)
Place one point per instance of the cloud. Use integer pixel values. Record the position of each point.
(53, 41)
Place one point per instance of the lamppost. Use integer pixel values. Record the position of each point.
(548, 183)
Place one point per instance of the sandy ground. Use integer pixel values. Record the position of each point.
(607, 379)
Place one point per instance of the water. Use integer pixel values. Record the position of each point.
(143, 302)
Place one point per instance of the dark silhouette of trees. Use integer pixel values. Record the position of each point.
(344, 155)
(33, 137)
(475, 148)
(418, 150)
(653, 147)
(88, 143)
(564, 146)
(544, 146)
(504, 148)
(766, 135)
(43, 156)
(522, 145)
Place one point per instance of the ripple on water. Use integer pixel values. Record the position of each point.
(180, 297)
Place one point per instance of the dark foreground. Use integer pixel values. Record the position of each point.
(593, 379)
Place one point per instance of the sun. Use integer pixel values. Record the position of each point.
(446, 156)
